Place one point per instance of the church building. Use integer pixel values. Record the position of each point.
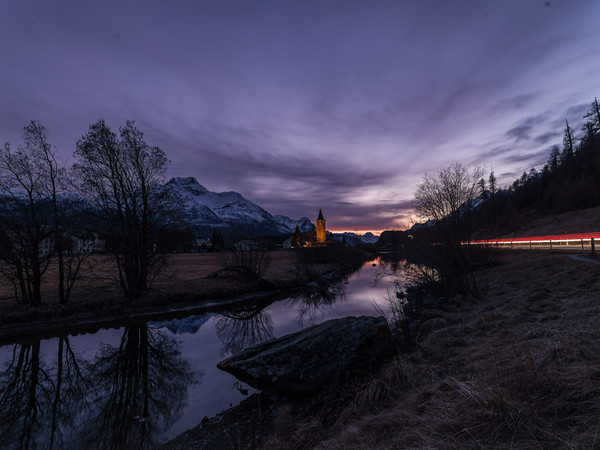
(321, 233)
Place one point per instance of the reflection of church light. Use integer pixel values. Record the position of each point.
(321, 234)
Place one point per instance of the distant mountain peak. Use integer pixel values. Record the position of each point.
(189, 184)
(183, 181)
(229, 211)
(353, 239)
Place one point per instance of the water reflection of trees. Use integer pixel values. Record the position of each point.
(138, 390)
(22, 400)
(124, 397)
(70, 388)
(312, 304)
(243, 328)
(38, 401)
(252, 325)
(391, 262)
(405, 272)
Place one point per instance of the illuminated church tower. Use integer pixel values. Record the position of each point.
(321, 235)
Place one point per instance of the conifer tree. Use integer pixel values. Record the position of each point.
(589, 132)
(482, 189)
(554, 158)
(492, 183)
(532, 173)
(568, 143)
(593, 116)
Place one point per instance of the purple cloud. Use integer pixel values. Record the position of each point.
(307, 105)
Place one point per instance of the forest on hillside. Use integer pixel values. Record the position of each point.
(568, 181)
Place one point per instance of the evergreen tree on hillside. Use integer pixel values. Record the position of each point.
(591, 127)
(491, 206)
(482, 190)
(568, 143)
(492, 183)
(532, 173)
(568, 181)
(589, 132)
(593, 116)
(554, 158)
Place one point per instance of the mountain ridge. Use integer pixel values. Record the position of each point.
(229, 212)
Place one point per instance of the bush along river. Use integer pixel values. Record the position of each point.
(140, 385)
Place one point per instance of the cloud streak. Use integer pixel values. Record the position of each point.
(307, 105)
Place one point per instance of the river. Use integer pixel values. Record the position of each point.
(137, 386)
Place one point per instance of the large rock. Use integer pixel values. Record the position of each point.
(302, 362)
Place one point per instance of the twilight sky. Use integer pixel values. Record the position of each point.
(308, 104)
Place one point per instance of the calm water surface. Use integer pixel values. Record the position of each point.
(137, 386)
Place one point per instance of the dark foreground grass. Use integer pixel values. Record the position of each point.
(519, 368)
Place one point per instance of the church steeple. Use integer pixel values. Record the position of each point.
(321, 231)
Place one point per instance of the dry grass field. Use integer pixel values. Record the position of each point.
(187, 278)
(519, 368)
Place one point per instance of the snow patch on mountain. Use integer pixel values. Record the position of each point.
(189, 325)
(304, 223)
(353, 239)
(229, 211)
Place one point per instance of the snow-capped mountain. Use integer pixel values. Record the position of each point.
(304, 223)
(369, 238)
(189, 325)
(353, 239)
(229, 212)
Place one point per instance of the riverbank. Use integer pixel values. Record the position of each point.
(191, 284)
(517, 368)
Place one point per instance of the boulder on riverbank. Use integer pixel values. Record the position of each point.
(303, 362)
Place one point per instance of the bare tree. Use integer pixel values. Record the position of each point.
(53, 177)
(247, 254)
(447, 199)
(78, 241)
(124, 177)
(32, 219)
(25, 222)
(247, 258)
